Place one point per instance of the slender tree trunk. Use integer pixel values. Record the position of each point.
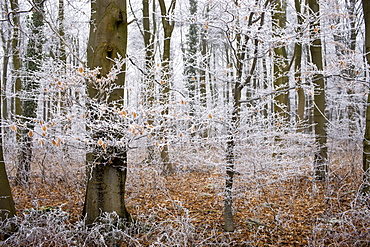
(190, 60)
(353, 110)
(62, 50)
(366, 142)
(298, 76)
(204, 66)
(168, 26)
(30, 85)
(281, 80)
(106, 180)
(321, 167)
(149, 91)
(17, 105)
(233, 128)
(4, 75)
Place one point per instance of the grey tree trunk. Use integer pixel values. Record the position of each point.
(366, 142)
(106, 180)
(16, 103)
(30, 85)
(233, 129)
(168, 26)
(149, 91)
(320, 163)
(6, 43)
(298, 76)
(191, 70)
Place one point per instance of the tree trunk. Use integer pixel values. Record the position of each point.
(149, 91)
(281, 80)
(321, 167)
(168, 26)
(366, 142)
(233, 128)
(4, 76)
(190, 59)
(16, 103)
(298, 76)
(106, 181)
(204, 65)
(7, 208)
(30, 85)
(62, 50)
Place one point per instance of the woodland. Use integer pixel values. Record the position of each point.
(184, 123)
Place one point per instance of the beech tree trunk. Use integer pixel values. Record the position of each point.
(281, 80)
(168, 26)
(149, 90)
(106, 180)
(16, 103)
(30, 85)
(298, 76)
(366, 142)
(320, 165)
(7, 208)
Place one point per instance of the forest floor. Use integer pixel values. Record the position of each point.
(186, 208)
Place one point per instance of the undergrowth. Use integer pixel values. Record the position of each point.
(276, 203)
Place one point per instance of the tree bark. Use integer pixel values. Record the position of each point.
(281, 80)
(298, 76)
(190, 59)
(366, 142)
(7, 208)
(233, 128)
(320, 163)
(6, 43)
(30, 85)
(16, 103)
(168, 26)
(106, 181)
(149, 91)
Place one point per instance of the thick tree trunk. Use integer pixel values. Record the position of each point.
(106, 180)
(320, 165)
(366, 151)
(106, 189)
(7, 208)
